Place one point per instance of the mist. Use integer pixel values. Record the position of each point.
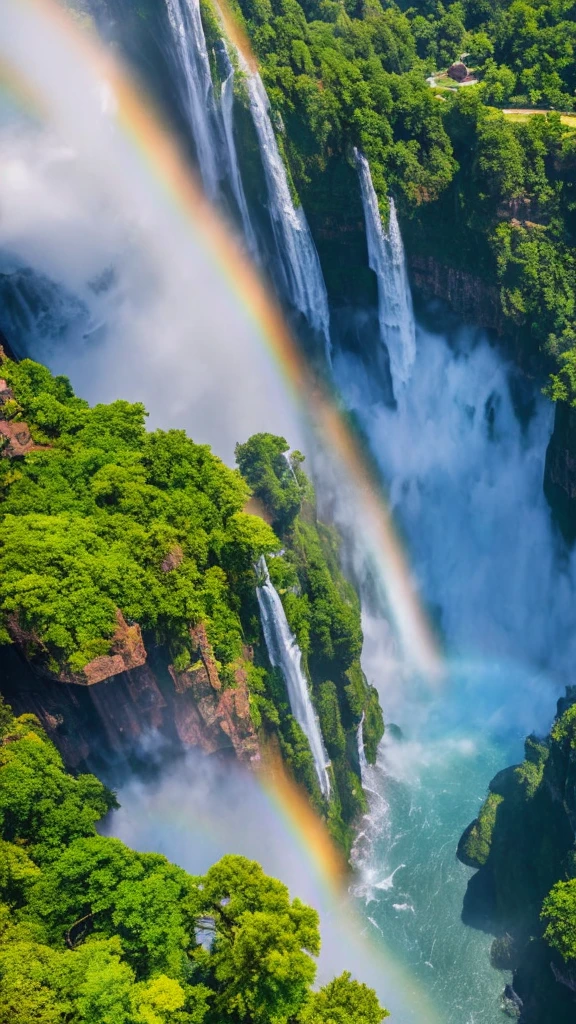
(101, 275)
(200, 808)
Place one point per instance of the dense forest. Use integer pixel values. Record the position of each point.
(92, 932)
(481, 188)
(99, 516)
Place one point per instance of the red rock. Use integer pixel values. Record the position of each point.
(209, 717)
(18, 441)
(128, 652)
(204, 648)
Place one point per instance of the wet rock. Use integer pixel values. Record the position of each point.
(560, 470)
(394, 731)
(511, 1003)
(471, 298)
(503, 953)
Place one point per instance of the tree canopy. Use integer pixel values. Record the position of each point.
(92, 932)
(479, 187)
(104, 515)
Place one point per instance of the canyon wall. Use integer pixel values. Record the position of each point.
(560, 473)
(120, 719)
(522, 844)
(477, 302)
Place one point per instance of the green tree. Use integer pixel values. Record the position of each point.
(261, 958)
(263, 462)
(92, 932)
(343, 1001)
(559, 911)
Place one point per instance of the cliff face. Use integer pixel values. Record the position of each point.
(523, 844)
(560, 472)
(111, 720)
(477, 302)
(471, 298)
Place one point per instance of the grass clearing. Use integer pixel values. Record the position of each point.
(522, 115)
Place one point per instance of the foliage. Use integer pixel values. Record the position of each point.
(92, 932)
(559, 910)
(323, 612)
(263, 462)
(90, 521)
(107, 516)
(479, 838)
(343, 1001)
(481, 190)
(341, 77)
(528, 859)
(330, 721)
(42, 808)
(564, 729)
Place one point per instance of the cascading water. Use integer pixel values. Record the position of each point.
(284, 653)
(303, 279)
(227, 105)
(463, 455)
(361, 752)
(386, 258)
(195, 81)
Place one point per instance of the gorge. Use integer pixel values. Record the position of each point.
(455, 429)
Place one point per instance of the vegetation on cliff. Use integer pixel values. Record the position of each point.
(105, 515)
(479, 190)
(523, 842)
(92, 932)
(323, 612)
(107, 528)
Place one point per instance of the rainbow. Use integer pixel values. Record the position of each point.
(195, 833)
(169, 176)
(160, 160)
(291, 806)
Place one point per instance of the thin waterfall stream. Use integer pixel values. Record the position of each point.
(227, 104)
(284, 653)
(195, 81)
(386, 258)
(303, 279)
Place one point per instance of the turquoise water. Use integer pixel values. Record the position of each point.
(424, 790)
(463, 456)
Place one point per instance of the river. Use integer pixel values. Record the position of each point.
(463, 455)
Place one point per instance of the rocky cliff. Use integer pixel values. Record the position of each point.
(475, 301)
(129, 619)
(560, 473)
(523, 845)
(138, 709)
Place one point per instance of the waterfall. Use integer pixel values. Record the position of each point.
(284, 653)
(386, 258)
(227, 104)
(361, 752)
(300, 264)
(190, 47)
